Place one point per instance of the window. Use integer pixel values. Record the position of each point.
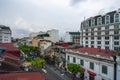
(116, 43)
(116, 17)
(86, 30)
(107, 42)
(107, 32)
(92, 42)
(92, 29)
(87, 23)
(86, 37)
(92, 65)
(81, 62)
(86, 33)
(92, 33)
(86, 42)
(116, 48)
(106, 27)
(74, 59)
(98, 37)
(104, 69)
(116, 37)
(99, 21)
(116, 26)
(107, 47)
(116, 31)
(106, 37)
(92, 46)
(107, 18)
(68, 58)
(99, 47)
(93, 22)
(99, 33)
(92, 38)
(99, 28)
(99, 42)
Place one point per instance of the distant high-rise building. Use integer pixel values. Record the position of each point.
(5, 34)
(102, 31)
(73, 37)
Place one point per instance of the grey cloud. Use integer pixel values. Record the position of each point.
(75, 2)
(18, 33)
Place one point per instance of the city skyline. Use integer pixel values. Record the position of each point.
(28, 16)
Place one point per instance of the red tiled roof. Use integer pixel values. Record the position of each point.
(11, 49)
(6, 54)
(95, 51)
(63, 44)
(22, 76)
(8, 46)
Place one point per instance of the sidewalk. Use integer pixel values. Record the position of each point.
(56, 71)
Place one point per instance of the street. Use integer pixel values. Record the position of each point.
(50, 75)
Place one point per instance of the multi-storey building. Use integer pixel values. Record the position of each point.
(73, 37)
(102, 31)
(98, 64)
(52, 35)
(5, 34)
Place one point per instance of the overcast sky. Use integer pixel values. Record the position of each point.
(25, 16)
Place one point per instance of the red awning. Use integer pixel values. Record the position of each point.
(92, 74)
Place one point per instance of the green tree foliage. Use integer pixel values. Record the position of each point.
(75, 68)
(27, 49)
(29, 59)
(38, 62)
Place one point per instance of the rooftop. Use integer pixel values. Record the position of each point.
(22, 76)
(97, 51)
(10, 48)
(4, 27)
(74, 33)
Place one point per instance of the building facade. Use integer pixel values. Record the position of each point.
(52, 35)
(102, 31)
(5, 34)
(73, 37)
(97, 64)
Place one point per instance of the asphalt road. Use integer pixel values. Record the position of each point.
(50, 75)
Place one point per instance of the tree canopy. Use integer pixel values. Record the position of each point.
(75, 68)
(38, 62)
(27, 49)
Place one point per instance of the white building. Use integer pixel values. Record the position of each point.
(101, 31)
(73, 37)
(52, 35)
(118, 67)
(5, 34)
(97, 64)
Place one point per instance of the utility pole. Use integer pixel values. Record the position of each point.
(115, 67)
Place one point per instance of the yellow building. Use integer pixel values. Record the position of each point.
(35, 41)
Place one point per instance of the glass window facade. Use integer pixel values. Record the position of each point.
(116, 18)
(99, 21)
(82, 62)
(74, 59)
(92, 65)
(93, 22)
(104, 69)
(107, 18)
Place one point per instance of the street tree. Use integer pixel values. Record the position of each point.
(75, 68)
(38, 62)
